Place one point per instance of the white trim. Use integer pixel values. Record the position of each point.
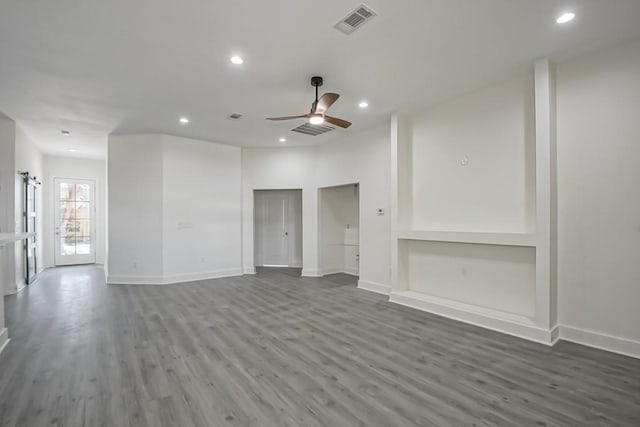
(176, 278)
(249, 270)
(134, 280)
(378, 288)
(336, 270)
(331, 270)
(192, 277)
(601, 341)
(507, 323)
(4, 339)
(507, 239)
(351, 270)
(311, 272)
(555, 334)
(60, 260)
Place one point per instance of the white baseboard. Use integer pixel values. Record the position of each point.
(176, 278)
(350, 270)
(249, 270)
(331, 270)
(379, 288)
(507, 323)
(336, 270)
(311, 272)
(601, 341)
(134, 280)
(4, 339)
(192, 277)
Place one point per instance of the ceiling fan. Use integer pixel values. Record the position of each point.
(319, 107)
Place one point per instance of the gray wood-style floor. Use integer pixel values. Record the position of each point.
(279, 350)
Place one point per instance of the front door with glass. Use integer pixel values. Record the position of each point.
(74, 221)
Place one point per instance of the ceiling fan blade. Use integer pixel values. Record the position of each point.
(326, 101)
(288, 117)
(336, 121)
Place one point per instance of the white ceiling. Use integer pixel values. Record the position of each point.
(94, 67)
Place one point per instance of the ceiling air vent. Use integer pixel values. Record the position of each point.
(355, 19)
(235, 116)
(313, 130)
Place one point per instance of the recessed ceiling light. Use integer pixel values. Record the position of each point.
(565, 17)
(363, 104)
(283, 140)
(236, 60)
(65, 132)
(72, 150)
(184, 120)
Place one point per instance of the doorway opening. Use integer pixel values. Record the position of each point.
(338, 230)
(278, 228)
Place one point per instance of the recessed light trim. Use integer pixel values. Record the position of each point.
(565, 17)
(283, 140)
(184, 120)
(363, 104)
(72, 150)
(235, 59)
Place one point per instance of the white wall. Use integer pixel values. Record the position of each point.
(363, 158)
(7, 159)
(598, 140)
(73, 168)
(135, 207)
(201, 188)
(487, 276)
(174, 209)
(28, 159)
(474, 162)
(7, 203)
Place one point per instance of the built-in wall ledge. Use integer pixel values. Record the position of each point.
(6, 238)
(507, 239)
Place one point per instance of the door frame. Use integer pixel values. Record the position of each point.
(321, 240)
(87, 259)
(257, 259)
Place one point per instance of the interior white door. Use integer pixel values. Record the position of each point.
(274, 235)
(74, 222)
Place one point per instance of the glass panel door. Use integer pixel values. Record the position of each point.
(74, 239)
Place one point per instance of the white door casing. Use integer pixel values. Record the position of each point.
(273, 228)
(74, 216)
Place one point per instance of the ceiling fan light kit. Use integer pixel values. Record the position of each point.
(317, 115)
(316, 119)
